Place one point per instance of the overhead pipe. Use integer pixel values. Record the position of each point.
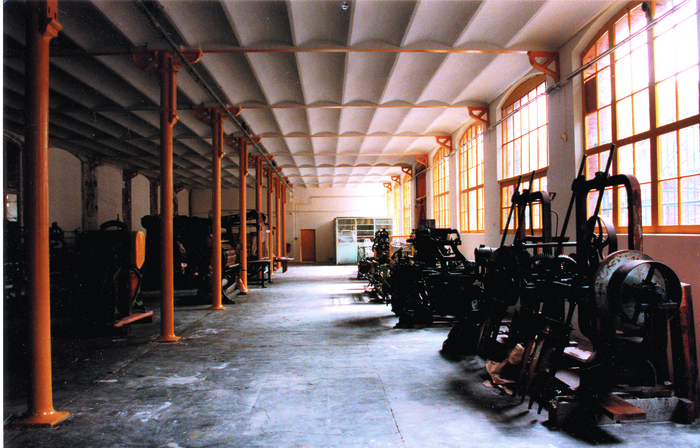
(41, 26)
(144, 10)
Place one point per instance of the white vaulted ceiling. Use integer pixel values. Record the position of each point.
(340, 92)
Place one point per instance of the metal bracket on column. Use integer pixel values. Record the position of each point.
(445, 141)
(206, 114)
(94, 162)
(48, 18)
(396, 179)
(148, 60)
(178, 188)
(407, 170)
(236, 144)
(550, 58)
(387, 185)
(480, 114)
(164, 65)
(422, 159)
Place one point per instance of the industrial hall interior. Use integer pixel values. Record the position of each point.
(351, 223)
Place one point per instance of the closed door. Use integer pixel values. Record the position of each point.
(308, 245)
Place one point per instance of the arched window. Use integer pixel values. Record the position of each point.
(441, 194)
(407, 205)
(524, 146)
(644, 98)
(471, 179)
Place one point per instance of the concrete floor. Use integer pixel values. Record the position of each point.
(307, 362)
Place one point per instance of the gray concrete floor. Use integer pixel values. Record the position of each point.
(306, 362)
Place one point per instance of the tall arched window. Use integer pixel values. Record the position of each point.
(524, 146)
(471, 179)
(644, 98)
(441, 194)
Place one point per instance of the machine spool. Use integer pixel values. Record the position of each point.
(628, 285)
(642, 284)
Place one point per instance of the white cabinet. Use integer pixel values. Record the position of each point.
(355, 235)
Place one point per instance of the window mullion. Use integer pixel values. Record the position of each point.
(653, 141)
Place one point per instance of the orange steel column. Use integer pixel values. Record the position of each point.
(42, 26)
(168, 116)
(163, 65)
(215, 118)
(243, 206)
(278, 223)
(258, 203)
(284, 220)
(271, 227)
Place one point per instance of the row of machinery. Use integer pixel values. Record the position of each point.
(102, 273)
(579, 327)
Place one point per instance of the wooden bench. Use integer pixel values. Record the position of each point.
(284, 261)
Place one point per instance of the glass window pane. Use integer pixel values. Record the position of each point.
(605, 118)
(686, 44)
(689, 150)
(542, 111)
(690, 200)
(664, 56)
(604, 90)
(601, 46)
(624, 118)
(528, 148)
(642, 161)
(622, 206)
(623, 77)
(592, 130)
(622, 29)
(666, 101)
(591, 166)
(640, 69)
(625, 160)
(668, 156)
(641, 111)
(669, 203)
(688, 93)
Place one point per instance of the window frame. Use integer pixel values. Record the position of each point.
(633, 147)
(530, 95)
(471, 179)
(441, 188)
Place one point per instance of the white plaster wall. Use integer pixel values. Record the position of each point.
(65, 194)
(183, 203)
(316, 208)
(140, 201)
(109, 193)
(201, 201)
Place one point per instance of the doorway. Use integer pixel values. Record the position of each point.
(308, 245)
